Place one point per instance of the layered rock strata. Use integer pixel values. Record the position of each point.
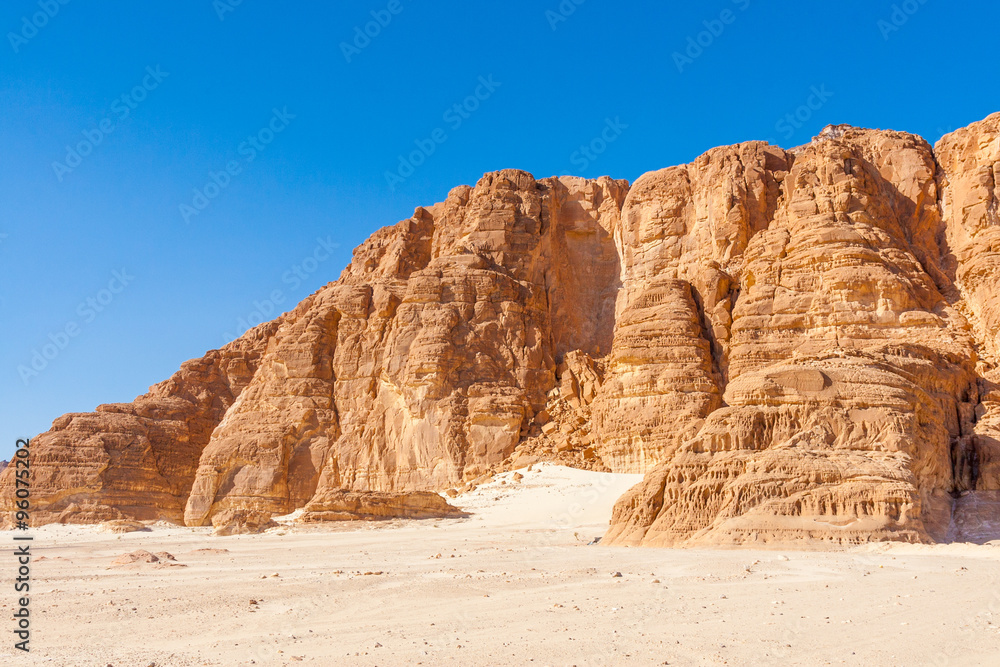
(794, 345)
(137, 460)
(341, 505)
(855, 397)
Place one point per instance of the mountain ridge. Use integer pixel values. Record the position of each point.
(793, 345)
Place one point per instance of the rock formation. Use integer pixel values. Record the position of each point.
(340, 505)
(857, 398)
(137, 460)
(241, 522)
(794, 345)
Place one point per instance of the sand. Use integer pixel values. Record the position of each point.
(516, 583)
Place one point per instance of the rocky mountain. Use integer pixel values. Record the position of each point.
(793, 345)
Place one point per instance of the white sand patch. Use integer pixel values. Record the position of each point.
(548, 497)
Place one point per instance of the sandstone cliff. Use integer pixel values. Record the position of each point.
(138, 459)
(852, 381)
(794, 345)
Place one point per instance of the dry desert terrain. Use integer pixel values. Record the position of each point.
(515, 583)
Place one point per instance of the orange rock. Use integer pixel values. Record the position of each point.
(137, 460)
(851, 376)
(233, 521)
(793, 345)
(143, 556)
(970, 202)
(338, 505)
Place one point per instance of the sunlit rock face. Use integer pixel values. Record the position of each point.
(857, 404)
(792, 345)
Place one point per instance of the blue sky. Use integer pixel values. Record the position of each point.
(278, 139)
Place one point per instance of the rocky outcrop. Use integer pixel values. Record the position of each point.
(853, 386)
(969, 182)
(137, 460)
(341, 505)
(241, 522)
(421, 368)
(424, 363)
(793, 345)
(123, 526)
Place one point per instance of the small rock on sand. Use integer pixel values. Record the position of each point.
(143, 556)
(123, 526)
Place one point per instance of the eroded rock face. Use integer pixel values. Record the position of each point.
(794, 345)
(852, 379)
(241, 521)
(340, 505)
(137, 460)
(969, 180)
(421, 368)
(123, 526)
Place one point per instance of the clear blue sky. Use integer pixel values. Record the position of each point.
(65, 229)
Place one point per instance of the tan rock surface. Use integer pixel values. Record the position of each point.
(852, 379)
(340, 505)
(794, 345)
(137, 460)
(453, 345)
(970, 201)
(241, 522)
(140, 556)
(124, 526)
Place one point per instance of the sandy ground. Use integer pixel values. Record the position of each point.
(514, 584)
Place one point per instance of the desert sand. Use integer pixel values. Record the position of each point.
(516, 582)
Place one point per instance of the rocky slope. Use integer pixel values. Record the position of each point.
(794, 345)
(138, 459)
(853, 377)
